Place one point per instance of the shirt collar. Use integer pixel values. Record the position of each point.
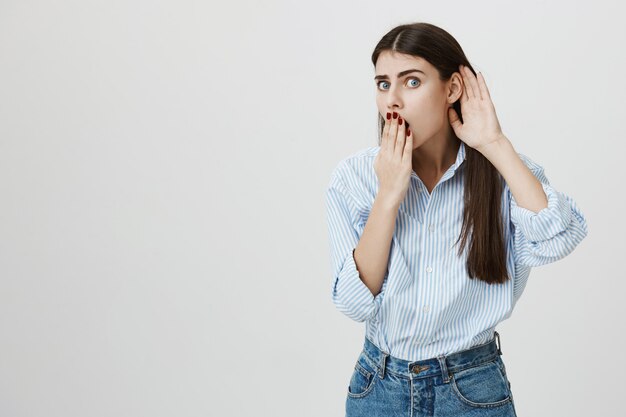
(460, 156)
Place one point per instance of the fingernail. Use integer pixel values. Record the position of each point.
(408, 131)
(395, 115)
(388, 116)
(400, 121)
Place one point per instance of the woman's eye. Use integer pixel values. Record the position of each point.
(381, 82)
(414, 79)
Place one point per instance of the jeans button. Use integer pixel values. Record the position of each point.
(417, 368)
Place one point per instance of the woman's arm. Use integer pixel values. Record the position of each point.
(524, 186)
(372, 253)
(548, 224)
(359, 262)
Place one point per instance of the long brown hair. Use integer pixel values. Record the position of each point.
(482, 217)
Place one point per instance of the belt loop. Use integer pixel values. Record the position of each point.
(383, 363)
(497, 337)
(444, 368)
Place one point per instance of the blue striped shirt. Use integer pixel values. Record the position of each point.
(428, 305)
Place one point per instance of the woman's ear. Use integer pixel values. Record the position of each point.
(455, 88)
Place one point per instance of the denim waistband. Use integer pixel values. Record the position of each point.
(442, 365)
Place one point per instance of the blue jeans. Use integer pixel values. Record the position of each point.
(471, 382)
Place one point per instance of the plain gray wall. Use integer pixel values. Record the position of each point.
(164, 248)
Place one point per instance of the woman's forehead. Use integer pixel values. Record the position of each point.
(391, 65)
(396, 60)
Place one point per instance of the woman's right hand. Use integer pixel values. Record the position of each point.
(393, 164)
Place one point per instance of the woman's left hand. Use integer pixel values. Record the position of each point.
(480, 125)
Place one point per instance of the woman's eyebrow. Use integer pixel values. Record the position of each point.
(400, 74)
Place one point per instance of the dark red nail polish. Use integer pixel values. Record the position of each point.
(400, 121)
(395, 115)
(388, 116)
(408, 131)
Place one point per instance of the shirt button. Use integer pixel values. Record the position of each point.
(426, 309)
(431, 228)
(429, 269)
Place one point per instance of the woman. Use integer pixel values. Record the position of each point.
(433, 234)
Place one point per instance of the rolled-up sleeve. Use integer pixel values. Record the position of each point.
(552, 233)
(349, 294)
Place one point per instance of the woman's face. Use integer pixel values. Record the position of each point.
(420, 98)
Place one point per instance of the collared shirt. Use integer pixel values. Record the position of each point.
(428, 305)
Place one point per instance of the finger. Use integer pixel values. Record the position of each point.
(463, 97)
(400, 136)
(384, 139)
(466, 83)
(393, 130)
(484, 91)
(464, 93)
(473, 85)
(468, 88)
(453, 117)
(407, 153)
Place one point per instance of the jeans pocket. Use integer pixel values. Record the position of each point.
(484, 385)
(363, 377)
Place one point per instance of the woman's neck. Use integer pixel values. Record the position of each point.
(433, 158)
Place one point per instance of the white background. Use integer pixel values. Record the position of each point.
(164, 249)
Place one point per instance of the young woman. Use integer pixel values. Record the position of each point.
(433, 234)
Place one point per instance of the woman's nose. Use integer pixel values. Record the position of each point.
(393, 100)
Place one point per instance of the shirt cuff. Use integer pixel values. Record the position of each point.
(355, 300)
(549, 222)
